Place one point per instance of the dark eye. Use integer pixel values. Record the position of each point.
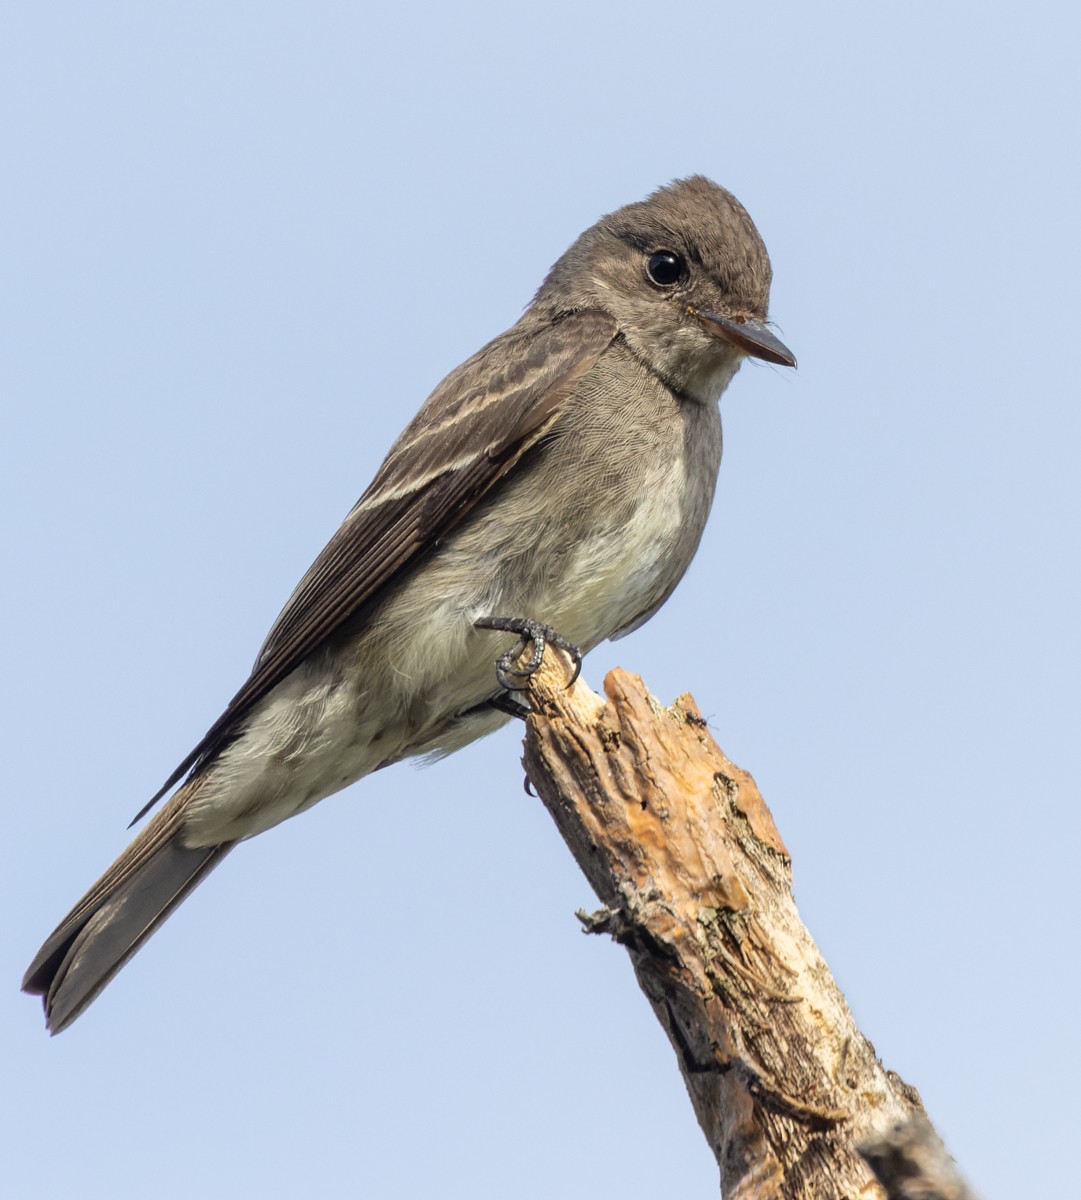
(665, 268)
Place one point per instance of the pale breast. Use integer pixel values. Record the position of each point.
(590, 535)
(623, 570)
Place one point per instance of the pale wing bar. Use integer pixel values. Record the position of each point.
(455, 461)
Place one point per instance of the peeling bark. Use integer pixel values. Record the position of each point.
(696, 882)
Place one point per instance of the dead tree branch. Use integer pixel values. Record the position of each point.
(695, 882)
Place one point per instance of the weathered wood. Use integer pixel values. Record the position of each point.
(695, 880)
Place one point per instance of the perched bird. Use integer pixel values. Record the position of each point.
(555, 485)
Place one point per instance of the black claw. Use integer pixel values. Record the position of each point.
(508, 671)
(506, 703)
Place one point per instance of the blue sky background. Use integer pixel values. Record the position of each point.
(241, 243)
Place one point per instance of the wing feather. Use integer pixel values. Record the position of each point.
(469, 433)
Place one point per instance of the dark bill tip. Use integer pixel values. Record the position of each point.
(750, 335)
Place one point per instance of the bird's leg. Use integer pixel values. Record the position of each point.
(508, 670)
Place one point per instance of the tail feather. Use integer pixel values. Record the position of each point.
(115, 917)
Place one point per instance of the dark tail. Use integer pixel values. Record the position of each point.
(115, 917)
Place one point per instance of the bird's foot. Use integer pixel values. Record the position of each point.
(511, 673)
(506, 703)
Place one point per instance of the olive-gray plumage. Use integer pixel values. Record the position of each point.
(563, 473)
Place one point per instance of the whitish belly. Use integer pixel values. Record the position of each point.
(416, 680)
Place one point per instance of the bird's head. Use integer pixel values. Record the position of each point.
(686, 276)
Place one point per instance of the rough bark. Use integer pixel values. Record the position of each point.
(695, 880)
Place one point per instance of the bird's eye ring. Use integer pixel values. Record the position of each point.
(665, 268)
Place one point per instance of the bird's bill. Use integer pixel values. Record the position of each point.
(750, 335)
